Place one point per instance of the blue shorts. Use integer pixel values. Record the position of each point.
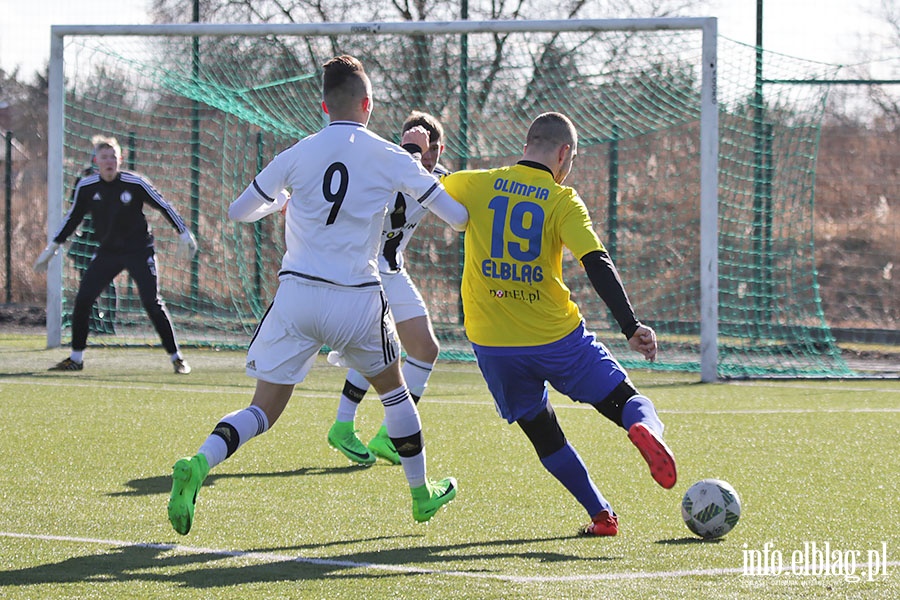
(578, 366)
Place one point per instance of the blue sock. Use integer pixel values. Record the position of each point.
(639, 409)
(566, 465)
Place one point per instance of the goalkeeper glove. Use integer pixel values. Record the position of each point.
(40, 265)
(187, 245)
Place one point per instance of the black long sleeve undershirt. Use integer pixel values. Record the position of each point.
(605, 279)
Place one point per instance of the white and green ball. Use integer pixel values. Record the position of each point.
(711, 508)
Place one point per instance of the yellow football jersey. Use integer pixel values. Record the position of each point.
(519, 220)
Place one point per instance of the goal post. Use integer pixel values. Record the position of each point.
(643, 93)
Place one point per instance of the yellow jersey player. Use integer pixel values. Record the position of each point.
(525, 329)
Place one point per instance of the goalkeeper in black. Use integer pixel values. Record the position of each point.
(115, 200)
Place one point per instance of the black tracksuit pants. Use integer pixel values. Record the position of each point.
(102, 270)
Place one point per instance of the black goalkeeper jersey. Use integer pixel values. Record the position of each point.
(117, 211)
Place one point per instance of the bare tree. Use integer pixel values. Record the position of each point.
(889, 103)
(422, 63)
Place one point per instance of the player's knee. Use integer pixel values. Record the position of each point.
(387, 380)
(153, 304)
(83, 301)
(155, 309)
(425, 350)
(429, 353)
(410, 445)
(611, 406)
(544, 432)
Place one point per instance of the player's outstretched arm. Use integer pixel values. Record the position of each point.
(606, 281)
(251, 206)
(447, 209)
(450, 211)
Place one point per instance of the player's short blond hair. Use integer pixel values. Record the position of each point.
(101, 142)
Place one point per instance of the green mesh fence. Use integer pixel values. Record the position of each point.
(200, 116)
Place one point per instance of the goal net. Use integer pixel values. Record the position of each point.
(712, 235)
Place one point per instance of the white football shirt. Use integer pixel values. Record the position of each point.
(342, 180)
(403, 217)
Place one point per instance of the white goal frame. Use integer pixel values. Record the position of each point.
(709, 126)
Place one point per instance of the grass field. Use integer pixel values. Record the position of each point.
(85, 460)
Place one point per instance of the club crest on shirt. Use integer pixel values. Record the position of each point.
(125, 197)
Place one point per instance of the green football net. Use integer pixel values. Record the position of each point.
(200, 116)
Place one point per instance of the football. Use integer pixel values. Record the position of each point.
(711, 508)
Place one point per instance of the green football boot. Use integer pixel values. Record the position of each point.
(382, 447)
(342, 437)
(187, 477)
(428, 498)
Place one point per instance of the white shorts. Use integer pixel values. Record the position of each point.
(403, 296)
(305, 315)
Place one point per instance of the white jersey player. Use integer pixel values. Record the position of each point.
(407, 305)
(342, 180)
(404, 216)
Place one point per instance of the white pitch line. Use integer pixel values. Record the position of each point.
(781, 411)
(800, 384)
(436, 398)
(349, 564)
(154, 388)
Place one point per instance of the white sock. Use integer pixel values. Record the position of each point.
(347, 407)
(416, 373)
(248, 423)
(77, 355)
(402, 420)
